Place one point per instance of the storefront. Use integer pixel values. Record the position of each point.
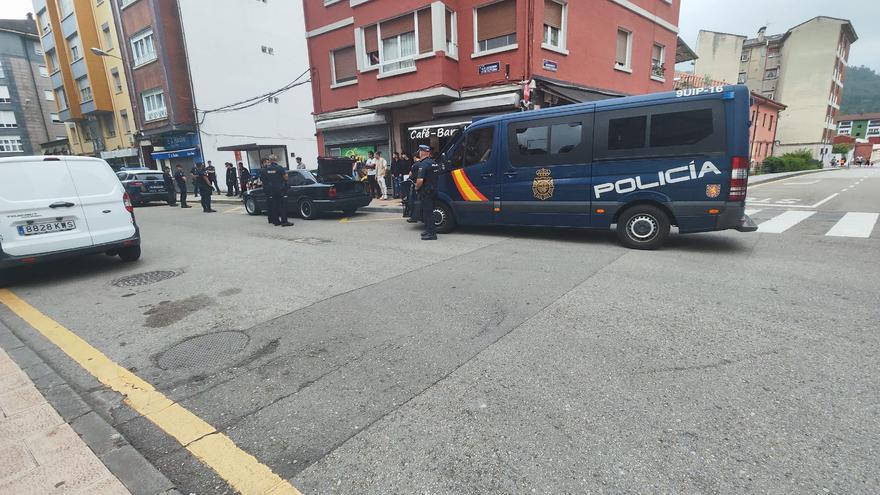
(357, 142)
(176, 149)
(436, 134)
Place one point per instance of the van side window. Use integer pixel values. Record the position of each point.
(566, 138)
(533, 140)
(680, 128)
(627, 133)
(546, 142)
(478, 146)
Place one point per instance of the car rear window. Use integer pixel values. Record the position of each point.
(155, 176)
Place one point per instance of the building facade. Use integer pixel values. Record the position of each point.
(393, 75)
(28, 118)
(90, 89)
(804, 68)
(866, 125)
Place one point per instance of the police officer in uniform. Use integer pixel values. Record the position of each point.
(426, 188)
(274, 179)
(169, 186)
(203, 183)
(180, 178)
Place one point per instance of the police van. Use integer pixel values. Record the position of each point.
(641, 164)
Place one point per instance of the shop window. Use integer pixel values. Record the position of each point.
(623, 56)
(495, 26)
(344, 65)
(554, 24)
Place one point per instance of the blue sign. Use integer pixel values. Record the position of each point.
(180, 141)
(550, 65)
(166, 155)
(490, 68)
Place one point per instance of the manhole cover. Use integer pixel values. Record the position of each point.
(205, 350)
(146, 278)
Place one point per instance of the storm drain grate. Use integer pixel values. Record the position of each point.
(204, 351)
(145, 278)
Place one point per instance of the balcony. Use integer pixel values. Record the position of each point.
(421, 79)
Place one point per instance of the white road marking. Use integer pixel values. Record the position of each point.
(801, 183)
(854, 224)
(752, 212)
(785, 221)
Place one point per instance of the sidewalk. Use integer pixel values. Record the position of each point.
(758, 179)
(39, 451)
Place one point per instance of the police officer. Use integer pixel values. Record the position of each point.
(180, 178)
(415, 212)
(195, 179)
(212, 177)
(426, 187)
(274, 179)
(203, 183)
(169, 186)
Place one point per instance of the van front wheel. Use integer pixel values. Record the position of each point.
(130, 254)
(643, 227)
(444, 221)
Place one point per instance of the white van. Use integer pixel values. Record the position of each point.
(58, 206)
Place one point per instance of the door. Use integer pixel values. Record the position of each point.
(545, 177)
(40, 211)
(100, 194)
(472, 183)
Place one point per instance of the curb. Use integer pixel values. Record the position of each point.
(787, 175)
(125, 462)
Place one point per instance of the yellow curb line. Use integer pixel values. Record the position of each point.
(241, 470)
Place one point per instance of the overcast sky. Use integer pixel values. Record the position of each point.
(730, 16)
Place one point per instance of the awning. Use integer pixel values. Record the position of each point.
(572, 93)
(683, 53)
(249, 147)
(165, 155)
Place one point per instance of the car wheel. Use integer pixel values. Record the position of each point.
(643, 227)
(130, 254)
(307, 209)
(250, 205)
(443, 219)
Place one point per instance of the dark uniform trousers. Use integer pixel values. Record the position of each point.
(169, 186)
(276, 203)
(428, 213)
(181, 186)
(205, 197)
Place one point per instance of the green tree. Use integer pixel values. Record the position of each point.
(841, 148)
(860, 91)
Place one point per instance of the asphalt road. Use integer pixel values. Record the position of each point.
(351, 357)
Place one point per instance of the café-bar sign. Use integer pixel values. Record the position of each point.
(438, 131)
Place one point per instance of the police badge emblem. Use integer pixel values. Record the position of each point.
(713, 190)
(542, 187)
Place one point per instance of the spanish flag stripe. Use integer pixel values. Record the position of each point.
(466, 188)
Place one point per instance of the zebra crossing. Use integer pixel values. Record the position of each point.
(860, 225)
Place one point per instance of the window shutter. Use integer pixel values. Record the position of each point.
(394, 27)
(553, 14)
(371, 42)
(498, 19)
(344, 64)
(622, 42)
(656, 53)
(426, 39)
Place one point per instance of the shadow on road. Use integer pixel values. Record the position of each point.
(71, 269)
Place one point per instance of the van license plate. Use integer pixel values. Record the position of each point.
(46, 227)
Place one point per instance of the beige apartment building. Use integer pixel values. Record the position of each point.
(803, 68)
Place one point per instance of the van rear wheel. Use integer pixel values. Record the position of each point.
(643, 227)
(444, 221)
(130, 254)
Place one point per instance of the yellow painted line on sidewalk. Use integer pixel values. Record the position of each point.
(241, 470)
(236, 209)
(347, 220)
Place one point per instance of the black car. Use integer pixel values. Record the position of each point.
(311, 193)
(143, 185)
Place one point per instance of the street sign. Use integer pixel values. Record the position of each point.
(550, 65)
(490, 68)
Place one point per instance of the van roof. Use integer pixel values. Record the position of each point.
(740, 91)
(39, 158)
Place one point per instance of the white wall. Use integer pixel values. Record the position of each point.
(224, 39)
(719, 55)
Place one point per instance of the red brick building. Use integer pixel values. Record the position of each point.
(391, 75)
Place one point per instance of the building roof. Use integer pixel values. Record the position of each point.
(683, 53)
(767, 101)
(773, 38)
(847, 26)
(19, 26)
(859, 116)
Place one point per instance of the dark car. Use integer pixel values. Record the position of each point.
(311, 193)
(143, 185)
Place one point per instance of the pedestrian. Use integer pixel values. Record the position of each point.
(299, 164)
(193, 172)
(426, 187)
(274, 179)
(231, 180)
(204, 185)
(212, 176)
(381, 174)
(396, 178)
(371, 175)
(244, 176)
(355, 165)
(169, 186)
(180, 178)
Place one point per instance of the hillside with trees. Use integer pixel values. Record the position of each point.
(861, 91)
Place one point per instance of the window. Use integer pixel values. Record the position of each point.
(769, 95)
(123, 117)
(4, 95)
(117, 80)
(142, 47)
(268, 50)
(764, 121)
(44, 72)
(48, 95)
(478, 146)
(10, 144)
(495, 26)
(773, 52)
(55, 118)
(108, 125)
(43, 22)
(7, 119)
(627, 133)
(52, 60)
(38, 49)
(74, 135)
(554, 24)
(771, 73)
(371, 47)
(154, 105)
(546, 142)
(623, 57)
(744, 57)
(85, 89)
(108, 36)
(741, 78)
(398, 46)
(533, 140)
(681, 128)
(771, 123)
(451, 33)
(65, 7)
(125, 3)
(658, 55)
(2, 73)
(344, 65)
(75, 48)
(61, 98)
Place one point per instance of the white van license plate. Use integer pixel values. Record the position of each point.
(46, 227)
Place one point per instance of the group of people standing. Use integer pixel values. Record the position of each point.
(204, 183)
(376, 172)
